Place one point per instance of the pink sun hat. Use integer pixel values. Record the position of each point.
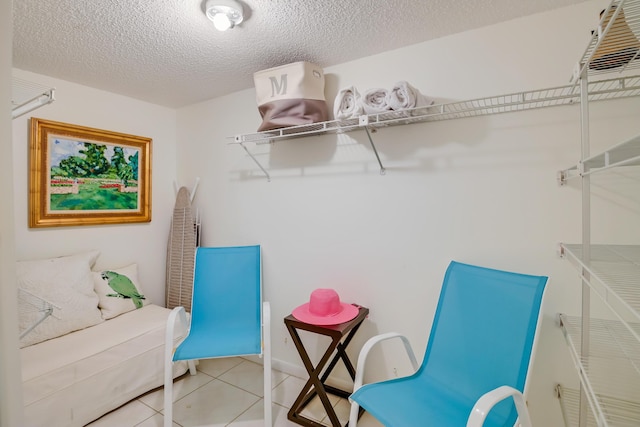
(324, 308)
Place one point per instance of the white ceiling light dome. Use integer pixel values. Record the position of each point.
(225, 14)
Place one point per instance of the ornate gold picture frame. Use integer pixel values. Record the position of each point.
(85, 176)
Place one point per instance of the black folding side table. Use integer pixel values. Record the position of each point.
(315, 385)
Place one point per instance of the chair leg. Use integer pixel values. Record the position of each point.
(176, 313)
(266, 337)
(192, 367)
(168, 394)
(353, 415)
(268, 417)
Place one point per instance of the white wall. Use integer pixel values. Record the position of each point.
(120, 244)
(10, 401)
(480, 190)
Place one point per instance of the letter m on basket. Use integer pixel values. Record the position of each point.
(278, 86)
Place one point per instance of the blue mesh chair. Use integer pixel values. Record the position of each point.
(228, 317)
(478, 355)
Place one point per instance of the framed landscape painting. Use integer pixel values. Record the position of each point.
(85, 176)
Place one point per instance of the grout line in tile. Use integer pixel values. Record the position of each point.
(274, 385)
(146, 419)
(244, 412)
(139, 399)
(235, 386)
(195, 389)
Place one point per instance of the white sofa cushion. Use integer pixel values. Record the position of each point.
(65, 282)
(116, 302)
(76, 378)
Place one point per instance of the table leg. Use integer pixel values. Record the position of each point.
(306, 394)
(342, 354)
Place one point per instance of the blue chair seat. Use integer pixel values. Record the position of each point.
(439, 406)
(206, 344)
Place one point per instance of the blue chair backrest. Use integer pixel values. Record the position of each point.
(227, 292)
(483, 334)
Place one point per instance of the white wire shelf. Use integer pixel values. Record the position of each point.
(27, 96)
(614, 88)
(626, 153)
(614, 45)
(613, 273)
(609, 374)
(619, 414)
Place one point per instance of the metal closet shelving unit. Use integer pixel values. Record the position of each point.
(613, 88)
(606, 352)
(27, 96)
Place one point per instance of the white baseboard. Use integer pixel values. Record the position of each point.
(290, 369)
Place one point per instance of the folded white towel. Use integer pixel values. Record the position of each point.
(404, 96)
(375, 101)
(347, 104)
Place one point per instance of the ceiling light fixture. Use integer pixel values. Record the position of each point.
(225, 14)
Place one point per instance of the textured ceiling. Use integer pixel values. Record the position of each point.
(167, 52)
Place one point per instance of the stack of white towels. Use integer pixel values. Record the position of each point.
(349, 103)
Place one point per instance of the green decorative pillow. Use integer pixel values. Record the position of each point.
(118, 290)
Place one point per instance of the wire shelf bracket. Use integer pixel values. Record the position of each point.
(626, 153)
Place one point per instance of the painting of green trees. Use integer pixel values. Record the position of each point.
(92, 176)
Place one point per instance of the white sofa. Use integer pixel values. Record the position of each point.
(78, 377)
(71, 378)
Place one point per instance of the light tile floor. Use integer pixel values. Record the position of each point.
(225, 392)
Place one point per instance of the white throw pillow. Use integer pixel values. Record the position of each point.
(66, 283)
(119, 290)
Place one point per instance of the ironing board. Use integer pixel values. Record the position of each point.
(181, 251)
